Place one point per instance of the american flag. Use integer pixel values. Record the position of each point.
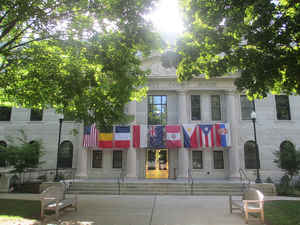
(90, 136)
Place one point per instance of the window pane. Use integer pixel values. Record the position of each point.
(69, 116)
(117, 159)
(286, 145)
(36, 115)
(164, 115)
(250, 155)
(157, 110)
(283, 107)
(197, 160)
(35, 159)
(97, 159)
(157, 100)
(215, 107)
(195, 107)
(150, 99)
(5, 113)
(246, 107)
(218, 160)
(164, 99)
(2, 159)
(65, 155)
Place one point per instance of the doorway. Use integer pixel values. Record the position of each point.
(157, 166)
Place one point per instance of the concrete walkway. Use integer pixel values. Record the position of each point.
(148, 210)
(152, 210)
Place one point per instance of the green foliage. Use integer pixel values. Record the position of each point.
(288, 159)
(258, 38)
(269, 180)
(22, 154)
(284, 187)
(81, 58)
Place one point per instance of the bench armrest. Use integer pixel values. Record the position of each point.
(253, 201)
(47, 198)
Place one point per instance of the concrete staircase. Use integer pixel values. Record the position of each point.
(155, 188)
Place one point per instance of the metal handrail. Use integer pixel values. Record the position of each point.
(119, 184)
(191, 180)
(244, 178)
(122, 175)
(121, 179)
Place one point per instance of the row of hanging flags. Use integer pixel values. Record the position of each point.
(158, 136)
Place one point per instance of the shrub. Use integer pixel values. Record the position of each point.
(284, 187)
(269, 180)
(22, 154)
(288, 159)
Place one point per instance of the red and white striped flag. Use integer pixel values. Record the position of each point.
(90, 137)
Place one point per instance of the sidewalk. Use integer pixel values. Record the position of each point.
(148, 210)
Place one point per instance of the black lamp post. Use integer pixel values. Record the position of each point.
(253, 118)
(61, 119)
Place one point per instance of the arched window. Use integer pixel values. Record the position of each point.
(2, 160)
(250, 155)
(286, 145)
(34, 161)
(65, 155)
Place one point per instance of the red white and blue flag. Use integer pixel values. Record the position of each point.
(206, 135)
(190, 136)
(90, 136)
(222, 135)
(122, 137)
(173, 139)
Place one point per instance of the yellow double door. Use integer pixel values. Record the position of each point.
(157, 166)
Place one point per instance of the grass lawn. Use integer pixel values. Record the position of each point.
(20, 211)
(282, 212)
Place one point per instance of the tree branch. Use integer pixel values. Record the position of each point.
(25, 43)
(10, 26)
(13, 39)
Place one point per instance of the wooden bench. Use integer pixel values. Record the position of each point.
(252, 201)
(53, 199)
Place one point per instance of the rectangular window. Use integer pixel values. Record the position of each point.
(218, 160)
(97, 159)
(197, 159)
(117, 159)
(283, 107)
(246, 107)
(69, 116)
(36, 115)
(215, 104)
(157, 110)
(196, 107)
(5, 113)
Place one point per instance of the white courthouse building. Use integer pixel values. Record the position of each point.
(199, 101)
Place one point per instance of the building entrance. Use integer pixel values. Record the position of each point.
(157, 166)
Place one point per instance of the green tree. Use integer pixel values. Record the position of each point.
(261, 39)
(22, 154)
(79, 57)
(288, 159)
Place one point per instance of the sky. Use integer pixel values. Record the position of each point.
(167, 18)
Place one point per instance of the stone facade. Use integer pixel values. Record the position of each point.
(270, 131)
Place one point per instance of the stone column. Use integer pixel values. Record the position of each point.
(131, 153)
(233, 118)
(183, 153)
(82, 156)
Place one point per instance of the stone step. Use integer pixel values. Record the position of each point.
(154, 193)
(155, 188)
